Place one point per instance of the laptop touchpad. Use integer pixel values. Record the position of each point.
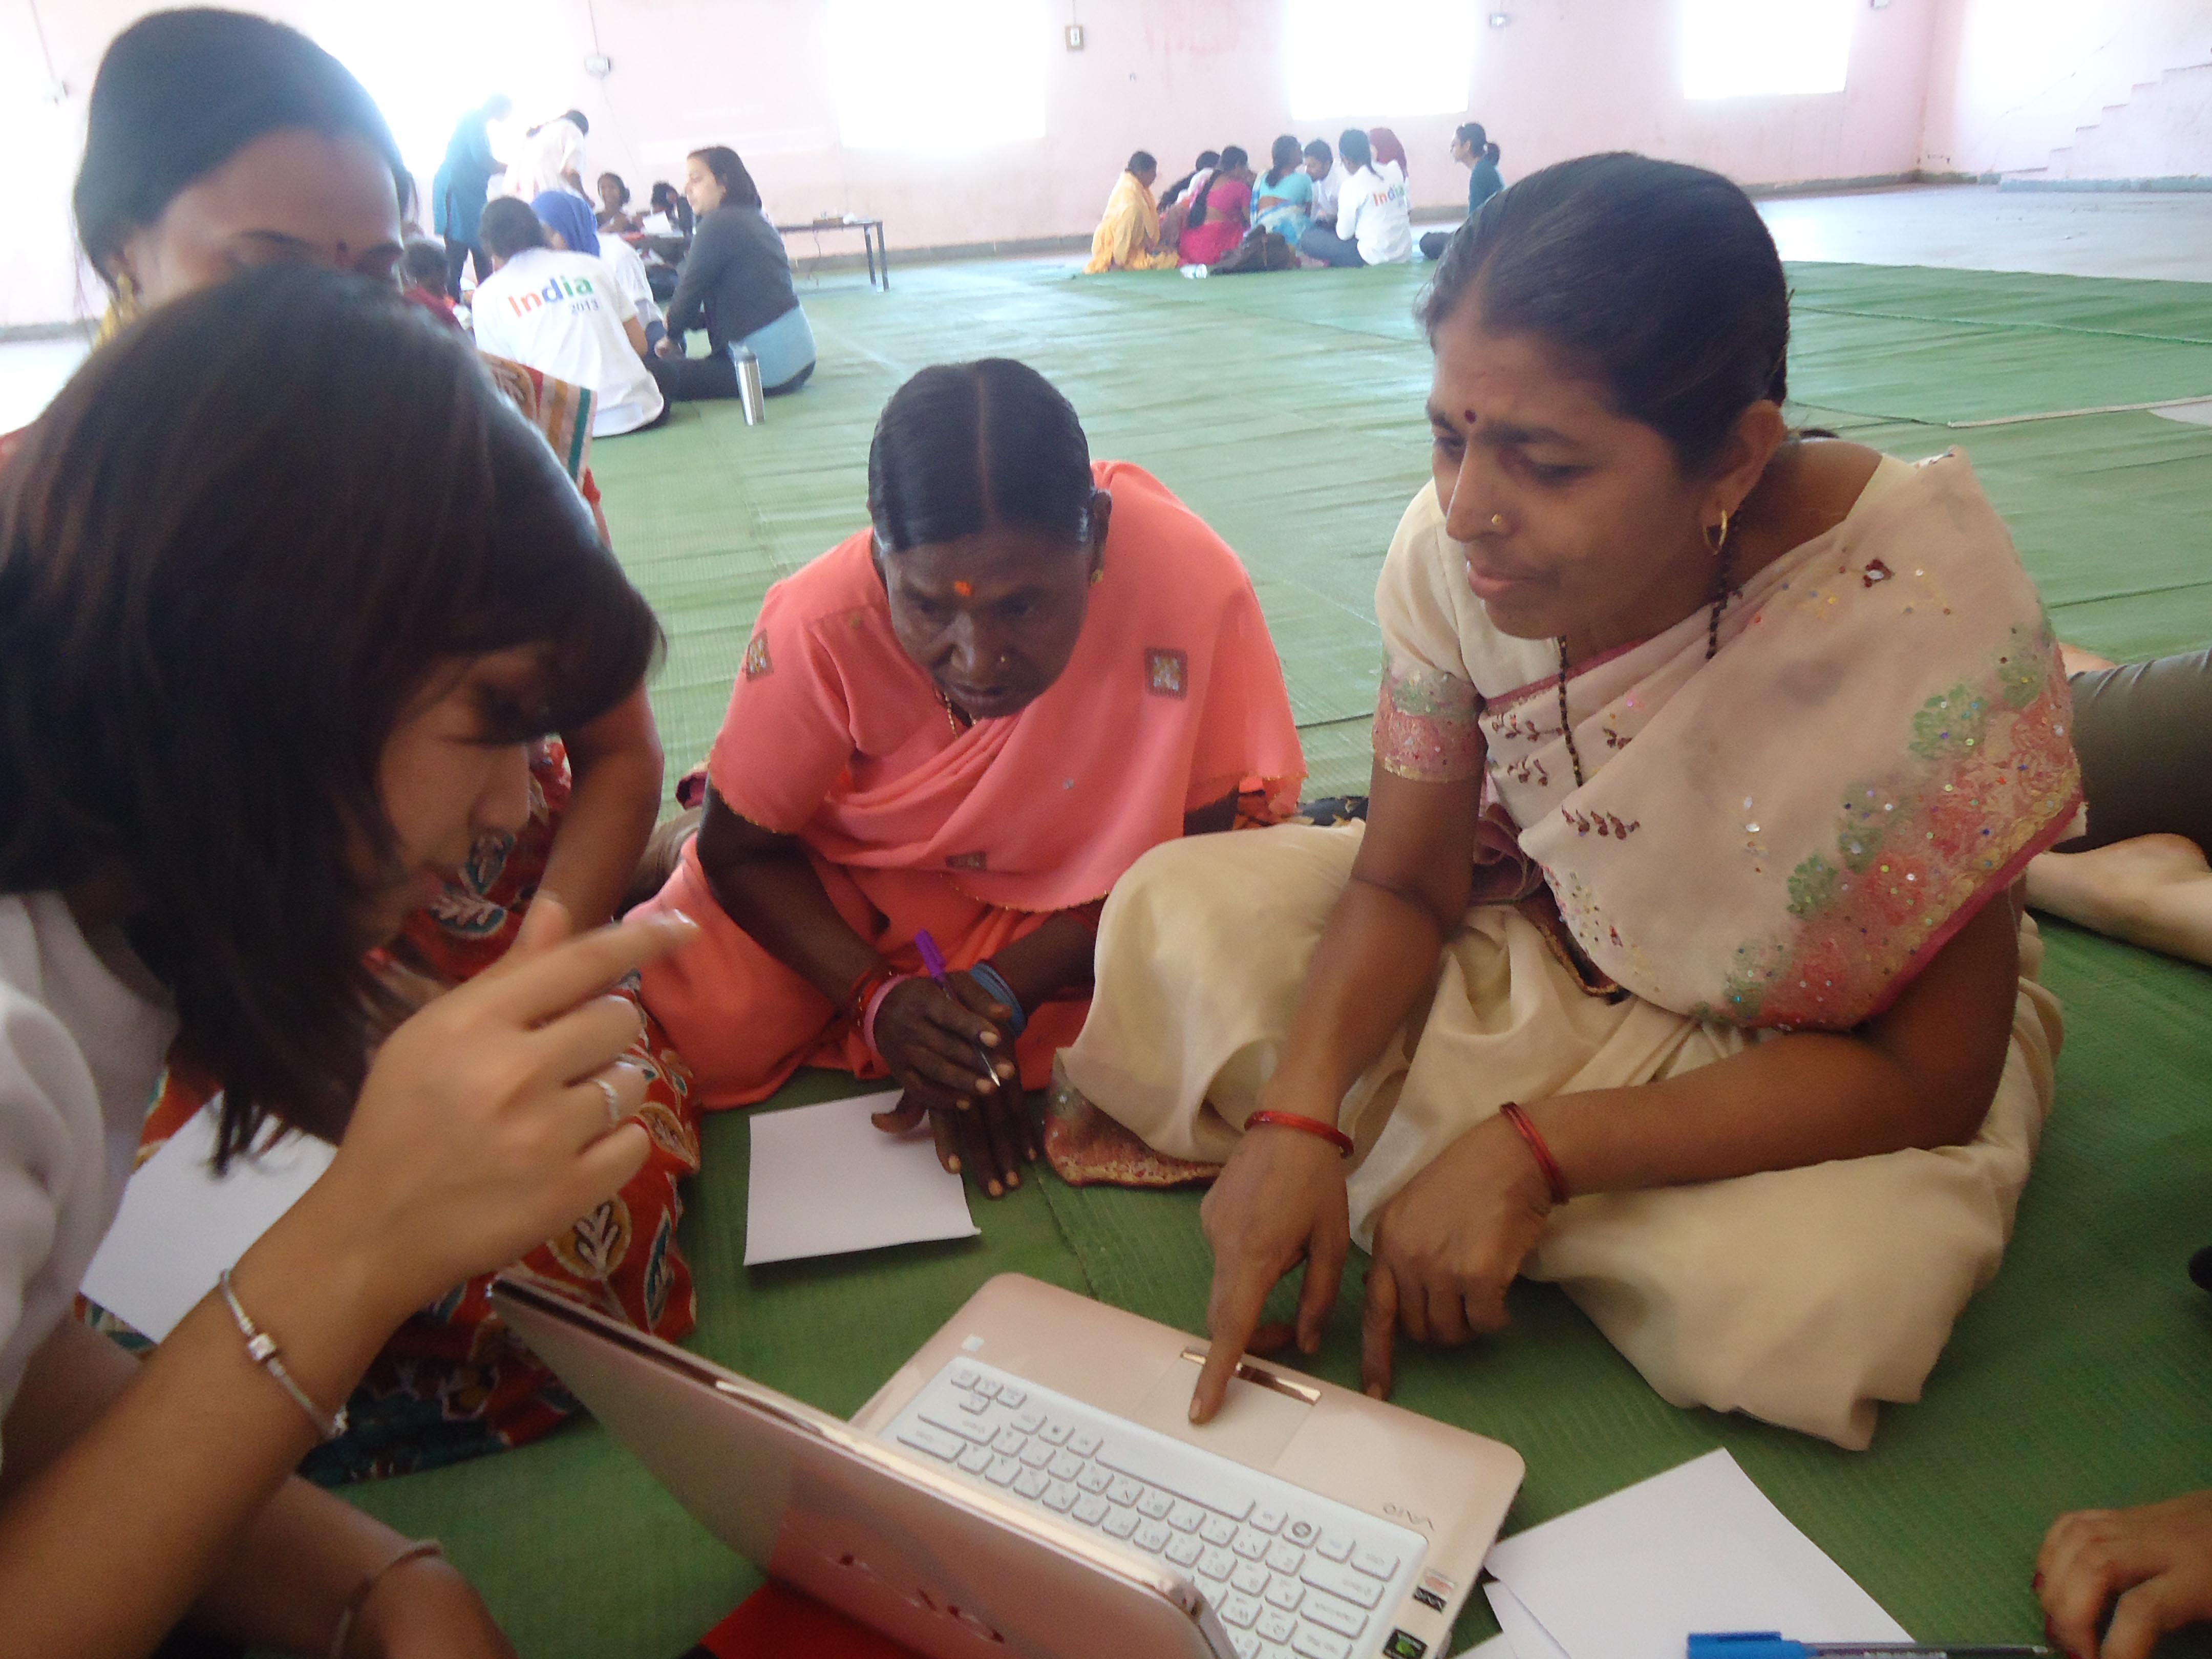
(1252, 1426)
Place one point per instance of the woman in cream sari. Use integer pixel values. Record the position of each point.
(1674, 963)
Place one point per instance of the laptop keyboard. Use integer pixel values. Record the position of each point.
(1291, 1575)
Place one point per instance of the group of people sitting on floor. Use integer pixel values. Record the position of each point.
(561, 287)
(1313, 207)
(328, 757)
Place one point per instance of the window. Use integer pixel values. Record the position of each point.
(943, 77)
(483, 47)
(1765, 48)
(1379, 57)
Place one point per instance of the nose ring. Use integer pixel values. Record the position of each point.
(1497, 522)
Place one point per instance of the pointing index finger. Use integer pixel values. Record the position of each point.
(1231, 1317)
(1378, 1328)
(556, 979)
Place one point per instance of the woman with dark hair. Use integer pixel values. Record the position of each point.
(228, 772)
(560, 310)
(1208, 160)
(1174, 201)
(1128, 234)
(459, 188)
(1471, 148)
(967, 719)
(1220, 210)
(1674, 962)
(614, 215)
(669, 200)
(217, 140)
(1284, 197)
(735, 284)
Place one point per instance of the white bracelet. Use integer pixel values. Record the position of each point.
(261, 1349)
(348, 1615)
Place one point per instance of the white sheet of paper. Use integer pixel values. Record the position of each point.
(825, 1181)
(1496, 1648)
(1525, 1634)
(180, 1227)
(1698, 1548)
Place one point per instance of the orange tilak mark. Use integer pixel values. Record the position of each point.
(965, 590)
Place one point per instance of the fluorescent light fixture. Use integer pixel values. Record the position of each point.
(947, 77)
(1379, 59)
(1765, 48)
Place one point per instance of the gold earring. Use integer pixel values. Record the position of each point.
(1718, 541)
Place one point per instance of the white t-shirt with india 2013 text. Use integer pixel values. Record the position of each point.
(1376, 213)
(562, 315)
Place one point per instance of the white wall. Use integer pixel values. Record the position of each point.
(2011, 81)
(1174, 76)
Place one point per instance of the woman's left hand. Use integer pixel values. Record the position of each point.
(1449, 1244)
(425, 1610)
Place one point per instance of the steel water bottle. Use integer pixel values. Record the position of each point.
(749, 384)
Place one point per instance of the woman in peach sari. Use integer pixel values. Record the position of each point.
(968, 719)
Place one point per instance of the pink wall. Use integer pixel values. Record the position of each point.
(2013, 80)
(1175, 76)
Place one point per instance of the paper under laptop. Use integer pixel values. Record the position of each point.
(1698, 1548)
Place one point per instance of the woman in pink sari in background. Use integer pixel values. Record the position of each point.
(1220, 211)
(969, 720)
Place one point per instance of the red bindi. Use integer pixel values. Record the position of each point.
(1469, 414)
(965, 590)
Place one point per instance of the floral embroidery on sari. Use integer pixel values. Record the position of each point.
(1426, 724)
(1916, 852)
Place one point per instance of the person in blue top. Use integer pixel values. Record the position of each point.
(1282, 201)
(1470, 147)
(462, 180)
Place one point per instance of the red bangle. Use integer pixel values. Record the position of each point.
(863, 989)
(1311, 1126)
(1554, 1177)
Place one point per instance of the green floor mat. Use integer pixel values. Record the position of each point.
(1288, 413)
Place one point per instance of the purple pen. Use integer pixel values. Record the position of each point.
(933, 963)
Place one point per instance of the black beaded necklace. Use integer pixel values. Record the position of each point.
(1719, 603)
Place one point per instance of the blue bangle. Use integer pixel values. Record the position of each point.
(995, 982)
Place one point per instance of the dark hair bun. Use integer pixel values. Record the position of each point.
(961, 446)
(1660, 277)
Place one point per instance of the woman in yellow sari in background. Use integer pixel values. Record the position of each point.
(1129, 236)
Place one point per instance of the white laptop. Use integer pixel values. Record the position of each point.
(1029, 1483)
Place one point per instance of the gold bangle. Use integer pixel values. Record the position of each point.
(421, 1548)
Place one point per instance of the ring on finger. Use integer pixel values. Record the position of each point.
(615, 1113)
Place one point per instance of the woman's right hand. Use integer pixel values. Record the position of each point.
(935, 1045)
(483, 1129)
(1280, 1200)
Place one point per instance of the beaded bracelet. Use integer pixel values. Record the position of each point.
(1554, 1177)
(1310, 1125)
(261, 1349)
